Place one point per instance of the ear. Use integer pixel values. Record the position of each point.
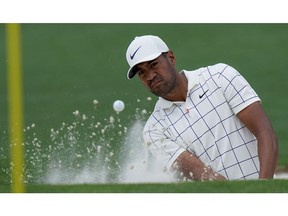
(171, 57)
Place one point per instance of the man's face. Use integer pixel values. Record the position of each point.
(158, 75)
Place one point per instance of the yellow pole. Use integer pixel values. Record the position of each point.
(15, 107)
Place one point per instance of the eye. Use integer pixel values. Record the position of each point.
(153, 64)
(140, 72)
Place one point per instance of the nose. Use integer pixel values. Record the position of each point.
(150, 74)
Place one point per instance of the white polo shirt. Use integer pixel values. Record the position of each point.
(206, 124)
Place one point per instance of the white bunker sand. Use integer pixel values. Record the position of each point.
(92, 150)
(135, 166)
(281, 175)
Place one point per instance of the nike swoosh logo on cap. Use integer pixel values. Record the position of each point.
(132, 56)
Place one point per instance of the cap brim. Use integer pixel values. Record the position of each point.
(131, 72)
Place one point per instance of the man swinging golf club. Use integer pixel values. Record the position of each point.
(208, 124)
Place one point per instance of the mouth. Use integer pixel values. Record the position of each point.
(155, 83)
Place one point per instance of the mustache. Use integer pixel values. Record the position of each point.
(154, 80)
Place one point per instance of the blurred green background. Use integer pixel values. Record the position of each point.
(67, 66)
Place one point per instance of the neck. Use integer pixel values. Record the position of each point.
(179, 93)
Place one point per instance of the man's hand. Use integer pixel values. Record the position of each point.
(193, 168)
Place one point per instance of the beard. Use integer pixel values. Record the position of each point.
(166, 84)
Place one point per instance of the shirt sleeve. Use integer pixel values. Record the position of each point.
(237, 91)
(165, 150)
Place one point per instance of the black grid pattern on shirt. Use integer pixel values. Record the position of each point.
(237, 93)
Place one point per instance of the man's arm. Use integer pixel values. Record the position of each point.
(258, 123)
(193, 168)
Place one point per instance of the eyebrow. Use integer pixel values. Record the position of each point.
(136, 68)
(150, 62)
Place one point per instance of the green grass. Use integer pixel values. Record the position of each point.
(67, 66)
(267, 186)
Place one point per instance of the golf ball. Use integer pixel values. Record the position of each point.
(118, 105)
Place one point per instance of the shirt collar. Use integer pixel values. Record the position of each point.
(193, 80)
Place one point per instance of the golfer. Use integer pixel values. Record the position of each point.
(208, 124)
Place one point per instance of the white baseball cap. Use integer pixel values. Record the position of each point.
(144, 48)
